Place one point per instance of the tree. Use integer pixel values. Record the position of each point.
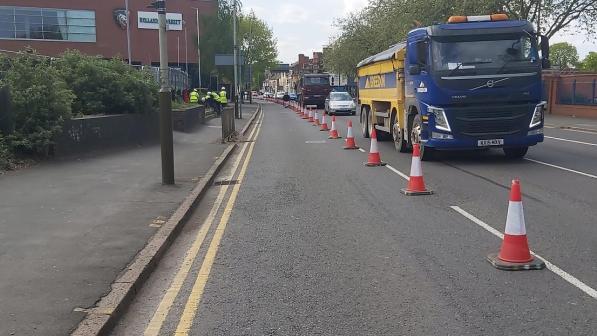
(553, 15)
(590, 62)
(563, 55)
(257, 44)
(367, 32)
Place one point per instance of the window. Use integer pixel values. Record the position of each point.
(317, 80)
(47, 24)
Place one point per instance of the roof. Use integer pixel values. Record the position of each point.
(384, 55)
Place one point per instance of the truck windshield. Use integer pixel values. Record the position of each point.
(317, 81)
(486, 55)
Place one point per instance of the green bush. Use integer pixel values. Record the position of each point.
(5, 155)
(40, 100)
(106, 86)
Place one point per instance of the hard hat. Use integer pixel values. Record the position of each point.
(194, 90)
(223, 88)
(208, 92)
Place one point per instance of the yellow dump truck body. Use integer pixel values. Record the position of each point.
(381, 90)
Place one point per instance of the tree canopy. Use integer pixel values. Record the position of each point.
(590, 62)
(385, 22)
(255, 39)
(563, 55)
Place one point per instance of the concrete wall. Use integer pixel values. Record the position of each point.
(82, 135)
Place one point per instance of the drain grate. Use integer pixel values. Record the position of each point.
(225, 182)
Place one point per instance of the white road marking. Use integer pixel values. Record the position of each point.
(362, 150)
(568, 140)
(401, 174)
(315, 141)
(213, 126)
(546, 126)
(555, 269)
(578, 131)
(563, 168)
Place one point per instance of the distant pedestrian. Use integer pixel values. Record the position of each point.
(223, 98)
(194, 97)
(286, 99)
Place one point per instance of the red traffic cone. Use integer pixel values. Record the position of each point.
(324, 124)
(374, 159)
(305, 113)
(310, 115)
(350, 144)
(515, 254)
(334, 132)
(316, 119)
(416, 184)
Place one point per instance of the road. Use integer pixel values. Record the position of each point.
(301, 238)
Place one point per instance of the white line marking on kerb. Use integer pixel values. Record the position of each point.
(563, 168)
(362, 150)
(558, 271)
(401, 174)
(568, 140)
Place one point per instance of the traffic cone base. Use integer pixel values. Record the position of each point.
(334, 135)
(407, 192)
(533, 264)
(324, 127)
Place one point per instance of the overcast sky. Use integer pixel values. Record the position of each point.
(304, 26)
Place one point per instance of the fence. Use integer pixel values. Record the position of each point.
(178, 79)
(571, 94)
(573, 91)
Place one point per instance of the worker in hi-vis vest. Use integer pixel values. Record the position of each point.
(223, 99)
(194, 96)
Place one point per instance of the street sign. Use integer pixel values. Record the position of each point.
(227, 59)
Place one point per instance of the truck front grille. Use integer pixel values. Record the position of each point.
(489, 121)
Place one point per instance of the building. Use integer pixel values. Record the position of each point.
(278, 79)
(99, 28)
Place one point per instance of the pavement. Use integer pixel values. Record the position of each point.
(69, 227)
(300, 238)
(581, 124)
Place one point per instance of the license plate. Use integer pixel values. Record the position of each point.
(490, 142)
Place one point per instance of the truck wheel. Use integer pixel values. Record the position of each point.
(516, 153)
(399, 141)
(365, 122)
(415, 137)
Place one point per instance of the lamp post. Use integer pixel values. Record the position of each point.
(237, 106)
(166, 141)
(198, 41)
(128, 30)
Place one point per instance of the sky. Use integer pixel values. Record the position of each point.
(305, 26)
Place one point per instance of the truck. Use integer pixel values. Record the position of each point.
(471, 83)
(313, 89)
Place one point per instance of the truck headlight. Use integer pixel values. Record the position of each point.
(441, 122)
(538, 114)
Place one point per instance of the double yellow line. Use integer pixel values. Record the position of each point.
(192, 304)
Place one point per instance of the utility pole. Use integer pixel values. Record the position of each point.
(237, 112)
(198, 48)
(167, 147)
(128, 30)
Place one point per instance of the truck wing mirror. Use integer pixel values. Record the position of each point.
(414, 70)
(545, 63)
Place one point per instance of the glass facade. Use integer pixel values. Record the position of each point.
(47, 24)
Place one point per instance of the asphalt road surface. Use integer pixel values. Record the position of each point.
(300, 238)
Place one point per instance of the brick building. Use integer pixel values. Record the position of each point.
(99, 28)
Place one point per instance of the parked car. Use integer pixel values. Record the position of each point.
(340, 102)
(268, 95)
(279, 94)
(293, 96)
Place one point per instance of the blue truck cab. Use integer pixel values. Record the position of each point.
(474, 83)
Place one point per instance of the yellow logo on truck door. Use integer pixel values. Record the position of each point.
(375, 81)
(381, 81)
